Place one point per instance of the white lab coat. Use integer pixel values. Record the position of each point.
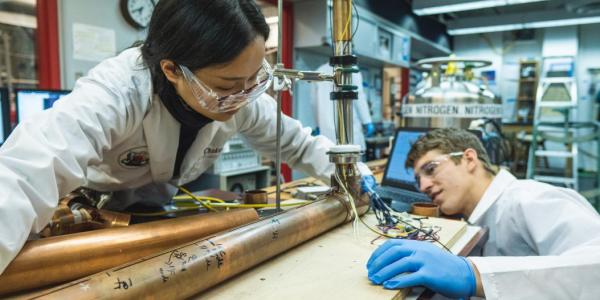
(323, 108)
(544, 241)
(111, 117)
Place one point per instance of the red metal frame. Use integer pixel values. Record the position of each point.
(47, 48)
(287, 59)
(404, 82)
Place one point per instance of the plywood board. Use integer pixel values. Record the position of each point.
(331, 266)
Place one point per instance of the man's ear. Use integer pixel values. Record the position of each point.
(170, 69)
(472, 159)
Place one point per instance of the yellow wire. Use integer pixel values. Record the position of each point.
(204, 203)
(187, 197)
(349, 19)
(228, 205)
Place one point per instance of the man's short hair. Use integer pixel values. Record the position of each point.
(448, 140)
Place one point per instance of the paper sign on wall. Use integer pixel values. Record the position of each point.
(93, 43)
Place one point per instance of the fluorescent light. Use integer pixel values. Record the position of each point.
(496, 28)
(518, 26)
(513, 2)
(471, 5)
(434, 10)
(564, 22)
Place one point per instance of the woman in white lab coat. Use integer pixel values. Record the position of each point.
(544, 241)
(153, 117)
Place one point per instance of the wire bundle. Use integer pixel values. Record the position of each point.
(392, 224)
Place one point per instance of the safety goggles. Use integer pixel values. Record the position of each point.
(216, 103)
(428, 170)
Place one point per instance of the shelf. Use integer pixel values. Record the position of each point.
(526, 93)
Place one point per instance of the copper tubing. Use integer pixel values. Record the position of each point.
(255, 197)
(342, 46)
(194, 267)
(59, 259)
(342, 20)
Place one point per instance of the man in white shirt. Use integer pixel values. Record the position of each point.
(544, 240)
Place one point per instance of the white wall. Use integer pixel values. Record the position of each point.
(105, 14)
(588, 57)
(506, 55)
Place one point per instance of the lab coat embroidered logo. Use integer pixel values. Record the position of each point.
(134, 158)
(212, 151)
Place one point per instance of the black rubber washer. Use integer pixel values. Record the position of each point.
(343, 95)
(343, 60)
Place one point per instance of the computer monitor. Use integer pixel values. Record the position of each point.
(31, 102)
(4, 115)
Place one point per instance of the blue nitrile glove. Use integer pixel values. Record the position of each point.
(368, 184)
(370, 128)
(316, 131)
(407, 263)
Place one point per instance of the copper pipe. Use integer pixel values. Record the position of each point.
(59, 259)
(342, 20)
(194, 267)
(342, 46)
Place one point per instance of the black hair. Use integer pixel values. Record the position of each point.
(200, 33)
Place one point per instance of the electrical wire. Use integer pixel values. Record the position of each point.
(204, 203)
(355, 211)
(399, 218)
(355, 28)
(192, 206)
(205, 198)
(347, 26)
(353, 32)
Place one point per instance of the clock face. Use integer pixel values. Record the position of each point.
(138, 12)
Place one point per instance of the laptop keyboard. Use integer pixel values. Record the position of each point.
(401, 200)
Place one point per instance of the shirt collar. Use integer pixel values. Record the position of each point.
(182, 112)
(492, 193)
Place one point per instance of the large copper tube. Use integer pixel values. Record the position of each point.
(195, 267)
(63, 258)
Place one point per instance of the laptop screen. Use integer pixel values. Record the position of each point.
(31, 102)
(396, 174)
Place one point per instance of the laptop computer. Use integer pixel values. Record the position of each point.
(398, 183)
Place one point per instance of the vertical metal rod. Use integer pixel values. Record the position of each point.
(342, 35)
(279, 112)
(279, 31)
(278, 155)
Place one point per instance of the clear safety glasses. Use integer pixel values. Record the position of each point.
(213, 102)
(428, 170)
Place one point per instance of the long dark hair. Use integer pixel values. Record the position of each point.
(200, 33)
